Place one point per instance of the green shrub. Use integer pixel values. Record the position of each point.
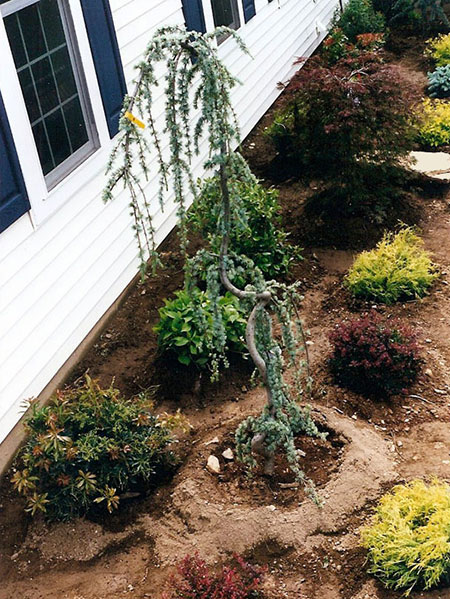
(439, 82)
(359, 17)
(416, 15)
(408, 540)
(434, 123)
(425, 15)
(397, 269)
(186, 326)
(438, 49)
(255, 231)
(86, 447)
(374, 355)
(337, 46)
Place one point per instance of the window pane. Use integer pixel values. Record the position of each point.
(56, 131)
(64, 74)
(15, 39)
(222, 12)
(32, 31)
(52, 23)
(43, 148)
(45, 84)
(75, 125)
(29, 94)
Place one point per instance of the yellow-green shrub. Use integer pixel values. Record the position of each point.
(438, 48)
(398, 268)
(434, 123)
(409, 538)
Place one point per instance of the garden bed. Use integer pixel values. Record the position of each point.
(372, 444)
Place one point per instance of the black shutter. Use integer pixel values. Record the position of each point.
(249, 9)
(193, 15)
(13, 195)
(106, 55)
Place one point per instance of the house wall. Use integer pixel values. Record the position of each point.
(63, 264)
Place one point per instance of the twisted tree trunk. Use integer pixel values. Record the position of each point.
(263, 299)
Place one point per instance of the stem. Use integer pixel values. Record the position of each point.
(263, 299)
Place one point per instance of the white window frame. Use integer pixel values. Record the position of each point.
(46, 202)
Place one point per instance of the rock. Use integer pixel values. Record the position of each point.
(212, 465)
(228, 454)
(429, 372)
(215, 440)
(14, 556)
(399, 444)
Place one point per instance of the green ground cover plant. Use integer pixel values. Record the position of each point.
(256, 229)
(434, 123)
(186, 326)
(86, 447)
(439, 82)
(374, 355)
(408, 541)
(397, 269)
(359, 17)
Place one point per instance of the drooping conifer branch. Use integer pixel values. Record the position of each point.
(198, 112)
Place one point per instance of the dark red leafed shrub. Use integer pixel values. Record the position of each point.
(349, 122)
(375, 355)
(194, 580)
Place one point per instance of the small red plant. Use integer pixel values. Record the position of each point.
(375, 355)
(194, 580)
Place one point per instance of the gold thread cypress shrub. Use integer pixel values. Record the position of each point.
(397, 269)
(409, 538)
(438, 49)
(434, 123)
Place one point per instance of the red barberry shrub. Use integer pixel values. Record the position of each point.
(350, 123)
(375, 356)
(194, 580)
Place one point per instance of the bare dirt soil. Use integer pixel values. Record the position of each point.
(310, 552)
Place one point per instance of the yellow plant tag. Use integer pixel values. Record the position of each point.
(134, 120)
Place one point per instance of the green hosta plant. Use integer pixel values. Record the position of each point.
(439, 82)
(256, 231)
(409, 541)
(87, 447)
(397, 269)
(186, 326)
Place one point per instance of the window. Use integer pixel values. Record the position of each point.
(42, 41)
(225, 12)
